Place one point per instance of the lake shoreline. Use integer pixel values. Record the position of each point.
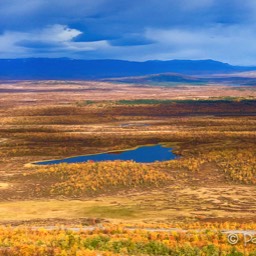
(62, 160)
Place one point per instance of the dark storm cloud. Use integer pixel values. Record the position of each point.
(36, 44)
(129, 29)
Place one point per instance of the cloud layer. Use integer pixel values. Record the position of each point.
(224, 30)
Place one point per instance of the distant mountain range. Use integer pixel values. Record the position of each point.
(69, 69)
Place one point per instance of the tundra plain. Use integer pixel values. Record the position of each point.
(212, 128)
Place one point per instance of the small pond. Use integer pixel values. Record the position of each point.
(143, 154)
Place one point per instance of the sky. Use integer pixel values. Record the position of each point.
(136, 30)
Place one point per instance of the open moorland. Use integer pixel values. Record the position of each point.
(208, 188)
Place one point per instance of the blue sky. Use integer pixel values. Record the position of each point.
(138, 30)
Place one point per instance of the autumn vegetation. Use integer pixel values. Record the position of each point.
(94, 178)
(214, 139)
(201, 239)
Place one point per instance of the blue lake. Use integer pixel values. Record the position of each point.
(143, 154)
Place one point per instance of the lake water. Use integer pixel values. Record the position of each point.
(143, 154)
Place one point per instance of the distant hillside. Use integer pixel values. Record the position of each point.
(63, 68)
(157, 78)
(168, 79)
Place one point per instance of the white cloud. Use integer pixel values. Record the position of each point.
(13, 43)
(56, 33)
(88, 46)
